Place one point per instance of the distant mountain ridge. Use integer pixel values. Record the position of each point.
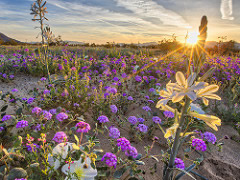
(5, 39)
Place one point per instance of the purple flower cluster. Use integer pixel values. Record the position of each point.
(210, 137)
(133, 120)
(130, 98)
(6, 117)
(114, 109)
(1, 128)
(103, 119)
(43, 79)
(146, 108)
(138, 78)
(33, 147)
(168, 114)
(179, 163)
(131, 151)
(123, 143)
(142, 128)
(53, 111)
(110, 159)
(141, 120)
(36, 110)
(114, 132)
(60, 137)
(199, 144)
(151, 90)
(30, 100)
(22, 124)
(61, 116)
(46, 115)
(82, 127)
(14, 90)
(156, 119)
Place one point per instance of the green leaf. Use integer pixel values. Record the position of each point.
(118, 174)
(77, 139)
(4, 108)
(155, 158)
(139, 156)
(185, 172)
(139, 162)
(19, 111)
(133, 178)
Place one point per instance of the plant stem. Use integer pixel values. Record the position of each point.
(174, 150)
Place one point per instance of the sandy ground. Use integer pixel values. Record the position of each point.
(224, 165)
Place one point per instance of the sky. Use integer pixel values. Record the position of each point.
(120, 21)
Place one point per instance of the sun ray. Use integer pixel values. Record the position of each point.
(152, 64)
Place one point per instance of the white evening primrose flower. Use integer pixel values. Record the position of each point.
(81, 168)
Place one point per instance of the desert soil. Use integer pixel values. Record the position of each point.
(224, 165)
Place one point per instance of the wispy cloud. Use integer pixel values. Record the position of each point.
(149, 8)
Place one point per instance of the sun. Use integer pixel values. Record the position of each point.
(192, 38)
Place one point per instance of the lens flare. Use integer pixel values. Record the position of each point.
(192, 38)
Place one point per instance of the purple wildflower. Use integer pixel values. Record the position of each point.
(103, 119)
(210, 137)
(53, 111)
(114, 132)
(168, 114)
(6, 117)
(82, 127)
(130, 98)
(36, 110)
(142, 128)
(22, 124)
(76, 105)
(115, 79)
(32, 147)
(60, 137)
(1, 128)
(30, 100)
(132, 119)
(114, 109)
(179, 163)
(141, 120)
(123, 143)
(46, 91)
(47, 115)
(146, 108)
(199, 144)
(156, 119)
(151, 90)
(110, 158)
(43, 79)
(14, 90)
(131, 151)
(61, 116)
(11, 76)
(138, 78)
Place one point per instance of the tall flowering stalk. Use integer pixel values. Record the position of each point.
(185, 91)
(38, 10)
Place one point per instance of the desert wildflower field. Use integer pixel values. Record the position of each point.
(82, 112)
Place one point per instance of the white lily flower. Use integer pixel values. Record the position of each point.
(207, 92)
(185, 87)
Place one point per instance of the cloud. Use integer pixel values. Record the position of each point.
(149, 8)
